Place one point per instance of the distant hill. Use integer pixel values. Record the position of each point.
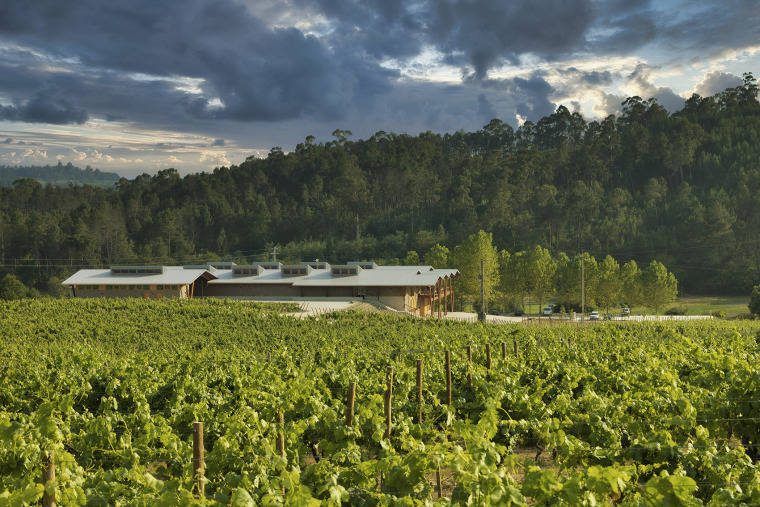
(59, 175)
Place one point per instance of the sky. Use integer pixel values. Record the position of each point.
(139, 86)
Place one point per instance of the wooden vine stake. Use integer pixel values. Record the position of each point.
(469, 365)
(515, 342)
(448, 377)
(419, 391)
(281, 440)
(199, 466)
(281, 435)
(503, 351)
(350, 404)
(388, 399)
(488, 356)
(438, 484)
(48, 474)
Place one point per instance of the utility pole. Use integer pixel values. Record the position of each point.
(583, 289)
(358, 234)
(482, 314)
(274, 253)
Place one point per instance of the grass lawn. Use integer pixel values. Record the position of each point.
(696, 305)
(702, 305)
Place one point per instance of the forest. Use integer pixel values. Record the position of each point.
(679, 188)
(59, 175)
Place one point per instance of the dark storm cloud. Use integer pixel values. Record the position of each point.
(381, 28)
(713, 27)
(531, 94)
(257, 72)
(587, 78)
(44, 109)
(485, 32)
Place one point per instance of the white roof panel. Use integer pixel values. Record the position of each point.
(172, 275)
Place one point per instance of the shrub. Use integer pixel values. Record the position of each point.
(677, 310)
(719, 314)
(12, 288)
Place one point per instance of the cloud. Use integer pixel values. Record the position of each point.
(715, 82)
(245, 70)
(218, 142)
(44, 109)
(640, 81)
(482, 33)
(8, 140)
(609, 103)
(218, 159)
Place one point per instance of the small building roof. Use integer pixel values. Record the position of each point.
(172, 275)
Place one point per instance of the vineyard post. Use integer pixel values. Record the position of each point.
(48, 475)
(388, 398)
(515, 343)
(438, 485)
(469, 365)
(448, 377)
(281, 440)
(199, 467)
(488, 356)
(350, 404)
(503, 351)
(419, 391)
(281, 435)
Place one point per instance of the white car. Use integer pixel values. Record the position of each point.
(548, 311)
(593, 316)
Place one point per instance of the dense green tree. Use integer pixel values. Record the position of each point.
(437, 257)
(467, 256)
(630, 279)
(515, 282)
(608, 286)
(412, 258)
(12, 288)
(541, 268)
(658, 286)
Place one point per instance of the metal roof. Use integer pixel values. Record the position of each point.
(381, 276)
(172, 275)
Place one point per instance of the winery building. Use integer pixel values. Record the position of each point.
(420, 290)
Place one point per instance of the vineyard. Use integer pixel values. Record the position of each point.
(616, 413)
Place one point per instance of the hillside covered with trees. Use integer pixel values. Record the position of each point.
(680, 188)
(58, 175)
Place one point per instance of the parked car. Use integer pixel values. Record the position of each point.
(593, 316)
(625, 312)
(548, 311)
